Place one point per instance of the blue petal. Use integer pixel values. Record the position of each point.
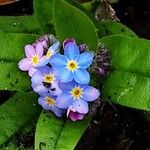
(55, 47)
(64, 101)
(45, 70)
(49, 95)
(66, 86)
(81, 106)
(65, 75)
(58, 60)
(57, 111)
(37, 77)
(82, 86)
(42, 102)
(43, 62)
(85, 60)
(54, 89)
(39, 88)
(81, 76)
(90, 93)
(71, 51)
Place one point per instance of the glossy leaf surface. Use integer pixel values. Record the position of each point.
(129, 85)
(21, 109)
(55, 133)
(70, 22)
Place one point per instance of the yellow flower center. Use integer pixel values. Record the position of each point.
(49, 54)
(72, 65)
(49, 78)
(76, 92)
(35, 59)
(49, 101)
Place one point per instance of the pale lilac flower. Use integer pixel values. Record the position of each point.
(34, 55)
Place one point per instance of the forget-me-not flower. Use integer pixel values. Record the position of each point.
(44, 80)
(76, 95)
(72, 65)
(48, 103)
(34, 55)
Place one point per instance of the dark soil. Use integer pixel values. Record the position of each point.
(116, 128)
(23, 7)
(136, 15)
(113, 127)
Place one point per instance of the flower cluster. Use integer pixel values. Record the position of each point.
(61, 80)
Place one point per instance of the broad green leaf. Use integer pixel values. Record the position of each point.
(15, 113)
(74, 130)
(69, 22)
(20, 24)
(128, 89)
(12, 45)
(129, 85)
(113, 28)
(11, 78)
(47, 131)
(44, 13)
(55, 133)
(129, 54)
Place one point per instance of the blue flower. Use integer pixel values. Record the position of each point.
(45, 80)
(54, 49)
(72, 65)
(48, 103)
(77, 96)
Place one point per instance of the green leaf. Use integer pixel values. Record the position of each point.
(11, 146)
(12, 45)
(74, 130)
(70, 22)
(17, 112)
(88, 5)
(19, 24)
(44, 14)
(12, 78)
(55, 133)
(129, 85)
(128, 89)
(113, 28)
(129, 54)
